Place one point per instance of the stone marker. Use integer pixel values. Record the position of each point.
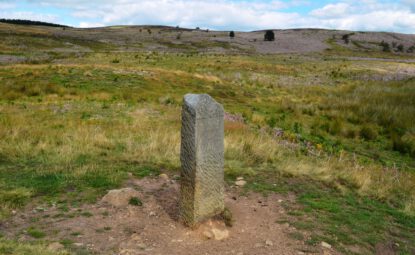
(202, 159)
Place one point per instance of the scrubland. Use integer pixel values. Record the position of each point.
(338, 133)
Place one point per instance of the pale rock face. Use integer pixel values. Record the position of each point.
(119, 197)
(202, 159)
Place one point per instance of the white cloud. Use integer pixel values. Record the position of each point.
(332, 10)
(6, 5)
(29, 15)
(391, 15)
(90, 24)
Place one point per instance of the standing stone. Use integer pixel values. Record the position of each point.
(202, 159)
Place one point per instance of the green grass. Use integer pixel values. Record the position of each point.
(345, 219)
(328, 129)
(135, 201)
(35, 233)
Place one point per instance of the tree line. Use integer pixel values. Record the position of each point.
(30, 22)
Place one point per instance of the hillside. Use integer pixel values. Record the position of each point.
(169, 39)
(322, 132)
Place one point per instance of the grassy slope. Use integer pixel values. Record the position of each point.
(346, 150)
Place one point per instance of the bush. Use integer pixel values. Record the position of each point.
(368, 133)
(385, 46)
(232, 34)
(403, 144)
(400, 48)
(346, 39)
(269, 35)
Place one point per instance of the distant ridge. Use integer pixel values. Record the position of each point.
(30, 22)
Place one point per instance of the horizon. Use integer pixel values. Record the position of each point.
(237, 15)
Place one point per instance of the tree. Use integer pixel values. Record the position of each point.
(400, 48)
(385, 46)
(269, 35)
(346, 38)
(232, 34)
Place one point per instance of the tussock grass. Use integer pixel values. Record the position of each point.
(13, 247)
(78, 128)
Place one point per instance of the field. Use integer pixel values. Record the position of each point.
(333, 127)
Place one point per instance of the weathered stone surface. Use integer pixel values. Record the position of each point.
(202, 159)
(119, 197)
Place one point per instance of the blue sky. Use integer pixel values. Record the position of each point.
(364, 15)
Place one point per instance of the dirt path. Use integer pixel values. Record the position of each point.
(153, 227)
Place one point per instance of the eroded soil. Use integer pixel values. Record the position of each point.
(153, 227)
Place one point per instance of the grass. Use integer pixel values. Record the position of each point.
(135, 201)
(331, 130)
(346, 219)
(35, 233)
(9, 247)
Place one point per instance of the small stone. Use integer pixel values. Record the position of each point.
(141, 246)
(300, 253)
(164, 177)
(55, 246)
(152, 214)
(78, 244)
(208, 234)
(120, 197)
(240, 183)
(135, 237)
(239, 178)
(258, 245)
(325, 245)
(220, 235)
(280, 200)
(269, 243)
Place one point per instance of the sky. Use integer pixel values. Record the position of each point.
(239, 15)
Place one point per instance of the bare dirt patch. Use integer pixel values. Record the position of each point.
(152, 227)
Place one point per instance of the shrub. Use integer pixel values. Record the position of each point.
(411, 49)
(385, 46)
(232, 34)
(403, 144)
(400, 48)
(368, 133)
(269, 35)
(346, 39)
